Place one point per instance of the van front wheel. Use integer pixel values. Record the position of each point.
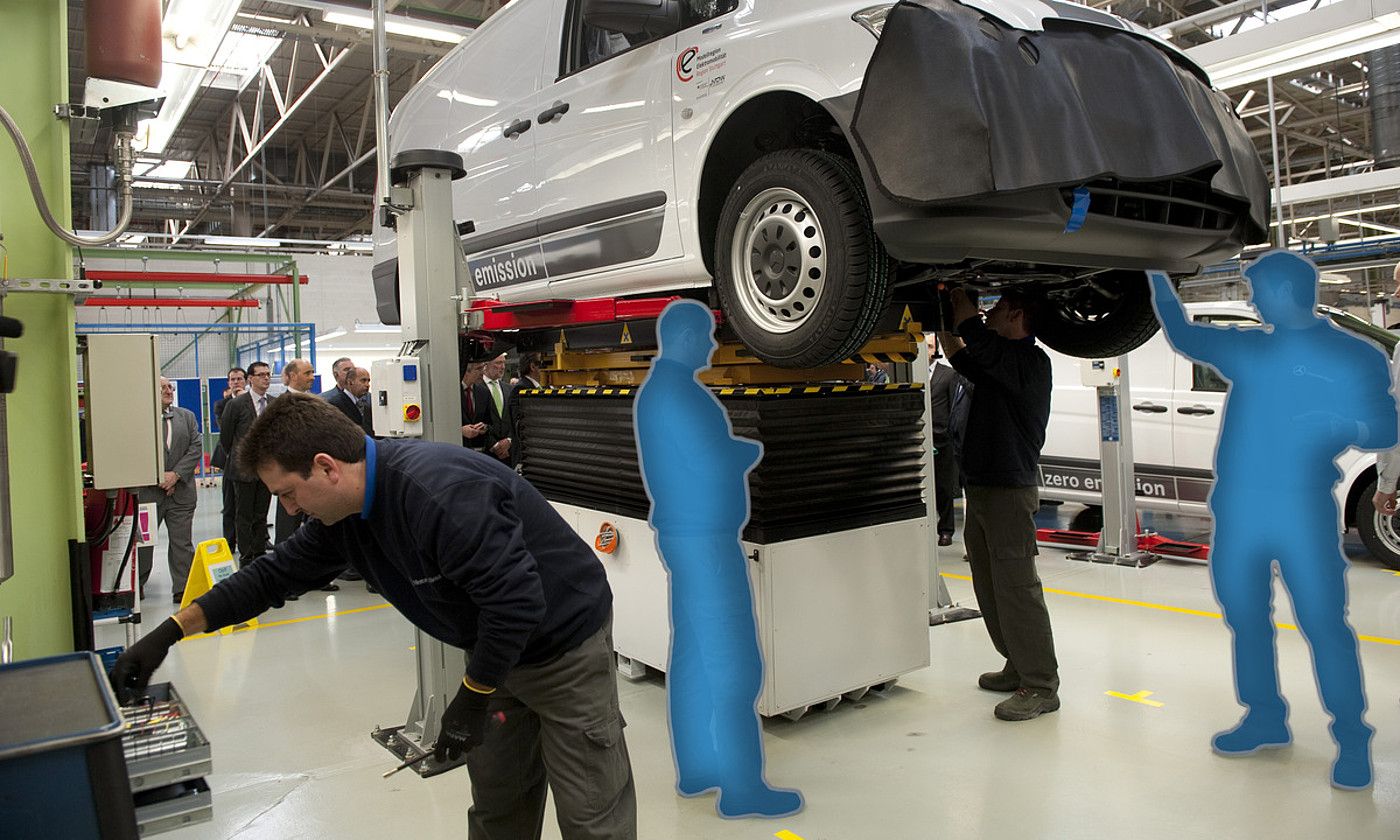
(801, 277)
(1379, 533)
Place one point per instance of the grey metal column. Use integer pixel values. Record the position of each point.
(1118, 540)
(429, 257)
(941, 609)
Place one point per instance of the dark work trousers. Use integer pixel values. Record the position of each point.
(563, 729)
(999, 532)
(230, 514)
(946, 482)
(253, 499)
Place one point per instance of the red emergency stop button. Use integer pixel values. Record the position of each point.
(411, 413)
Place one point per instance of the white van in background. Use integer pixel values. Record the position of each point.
(1175, 407)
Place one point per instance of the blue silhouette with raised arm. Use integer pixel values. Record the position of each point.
(696, 474)
(1301, 392)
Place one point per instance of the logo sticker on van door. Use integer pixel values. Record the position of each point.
(685, 64)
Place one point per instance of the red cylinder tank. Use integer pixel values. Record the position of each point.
(123, 40)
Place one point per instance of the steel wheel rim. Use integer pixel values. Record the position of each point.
(778, 260)
(1385, 529)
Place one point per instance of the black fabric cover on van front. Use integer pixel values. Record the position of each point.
(831, 461)
(956, 105)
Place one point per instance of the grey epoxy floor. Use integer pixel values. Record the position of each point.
(288, 708)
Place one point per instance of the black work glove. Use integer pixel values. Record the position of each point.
(136, 664)
(463, 725)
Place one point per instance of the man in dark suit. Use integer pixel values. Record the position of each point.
(175, 496)
(340, 369)
(252, 496)
(237, 384)
(475, 402)
(497, 417)
(347, 399)
(948, 398)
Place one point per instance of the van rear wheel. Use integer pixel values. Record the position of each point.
(800, 274)
(1101, 321)
(1379, 533)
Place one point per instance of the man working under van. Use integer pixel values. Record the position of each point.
(473, 555)
(1000, 457)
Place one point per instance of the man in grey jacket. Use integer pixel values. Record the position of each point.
(175, 496)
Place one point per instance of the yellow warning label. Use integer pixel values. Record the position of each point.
(905, 319)
(626, 335)
(212, 563)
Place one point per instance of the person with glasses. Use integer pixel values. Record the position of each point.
(251, 497)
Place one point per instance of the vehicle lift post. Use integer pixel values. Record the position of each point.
(430, 267)
(1118, 539)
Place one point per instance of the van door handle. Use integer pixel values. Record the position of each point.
(1150, 408)
(1196, 410)
(553, 112)
(516, 129)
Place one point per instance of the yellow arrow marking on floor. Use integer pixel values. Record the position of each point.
(786, 835)
(1381, 640)
(1140, 697)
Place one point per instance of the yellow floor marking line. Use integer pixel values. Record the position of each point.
(786, 835)
(266, 624)
(1140, 697)
(1380, 640)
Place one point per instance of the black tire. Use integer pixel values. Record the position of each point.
(1088, 520)
(800, 274)
(1379, 533)
(1092, 325)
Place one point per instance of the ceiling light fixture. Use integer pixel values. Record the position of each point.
(399, 26)
(242, 242)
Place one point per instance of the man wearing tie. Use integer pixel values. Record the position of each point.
(252, 496)
(348, 399)
(497, 419)
(175, 496)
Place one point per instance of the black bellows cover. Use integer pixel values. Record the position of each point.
(955, 106)
(833, 460)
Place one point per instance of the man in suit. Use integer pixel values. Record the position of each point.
(530, 373)
(252, 497)
(475, 399)
(237, 384)
(347, 399)
(175, 496)
(948, 396)
(340, 369)
(497, 418)
(298, 375)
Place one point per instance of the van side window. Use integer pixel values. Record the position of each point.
(585, 45)
(1204, 377)
(699, 11)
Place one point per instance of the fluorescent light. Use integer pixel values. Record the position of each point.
(1334, 279)
(396, 25)
(385, 329)
(1329, 33)
(336, 333)
(242, 242)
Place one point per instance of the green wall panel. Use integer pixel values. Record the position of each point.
(46, 489)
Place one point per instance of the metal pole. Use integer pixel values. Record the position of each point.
(1273, 139)
(381, 112)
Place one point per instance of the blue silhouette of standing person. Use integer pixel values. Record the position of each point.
(1302, 391)
(696, 474)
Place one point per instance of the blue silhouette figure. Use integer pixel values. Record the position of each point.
(1301, 392)
(696, 473)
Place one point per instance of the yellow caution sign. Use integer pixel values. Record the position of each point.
(626, 335)
(212, 563)
(905, 319)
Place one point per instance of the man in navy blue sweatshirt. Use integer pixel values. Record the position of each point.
(1000, 462)
(474, 556)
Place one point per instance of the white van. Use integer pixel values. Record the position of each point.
(811, 160)
(1176, 407)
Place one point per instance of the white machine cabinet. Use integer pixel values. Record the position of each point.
(837, 613)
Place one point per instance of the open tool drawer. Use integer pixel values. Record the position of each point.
(167, 758)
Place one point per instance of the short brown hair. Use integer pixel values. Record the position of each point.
(293, 430)
(1028, 306)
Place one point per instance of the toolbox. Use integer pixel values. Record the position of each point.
(167, 758)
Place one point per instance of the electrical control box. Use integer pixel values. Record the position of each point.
(121, 410)
(397, 397)
(1098, 373)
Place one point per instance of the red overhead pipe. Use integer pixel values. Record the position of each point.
(139, 302)
(190, 278)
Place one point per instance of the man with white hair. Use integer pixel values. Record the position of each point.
(175, 496)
